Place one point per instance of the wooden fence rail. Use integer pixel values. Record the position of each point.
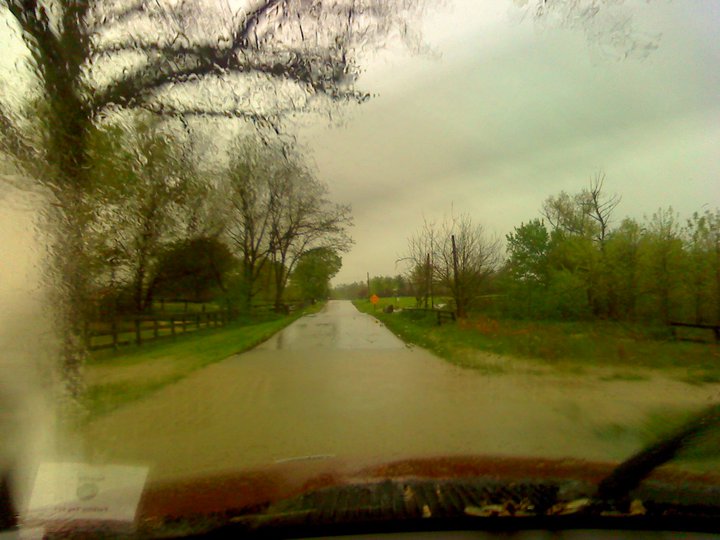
(714, 327)
(441, 314)
(143, 328)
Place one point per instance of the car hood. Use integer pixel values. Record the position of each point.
(331, 491)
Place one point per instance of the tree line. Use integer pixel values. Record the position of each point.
(579, 260)
(160, 223)
(576, 260)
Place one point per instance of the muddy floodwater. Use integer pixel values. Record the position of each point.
(339, 384)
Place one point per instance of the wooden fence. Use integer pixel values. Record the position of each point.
(715, 328)
(139, 329)
(144, 328)
(440, 314)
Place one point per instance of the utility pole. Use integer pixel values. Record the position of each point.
(428, 281)
(459, 300)
(430, 278)
(368, 283)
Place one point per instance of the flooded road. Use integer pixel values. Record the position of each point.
(340, 384)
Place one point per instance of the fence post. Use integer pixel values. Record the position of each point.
(172, 326)
(184, 322)
(197, 321)
(86, 334)
(114, 330)
(138, 333)
(156, 329)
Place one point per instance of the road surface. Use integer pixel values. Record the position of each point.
(338, 383)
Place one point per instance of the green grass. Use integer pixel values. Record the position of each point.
(103, 398)
(187, 353)
(624, 376)
(629, 350)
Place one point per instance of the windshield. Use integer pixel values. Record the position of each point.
(256, 248)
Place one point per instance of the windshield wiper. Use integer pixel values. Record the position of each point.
(626, 476)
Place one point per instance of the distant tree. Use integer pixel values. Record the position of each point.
(383, 286)
(419, 260)
(702, 239)
(302, 218)
(712, 220)
(622, 256)
(599, 207)
(350, 291)
(314, 271)
(567, 215)
(527, 267)
(662, 262)
(577, 221)
(253, 198)
(528, 248)
(193, 269)
(463, 257)
(402, 286)
(137, 202)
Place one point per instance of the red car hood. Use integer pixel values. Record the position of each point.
(256, 488)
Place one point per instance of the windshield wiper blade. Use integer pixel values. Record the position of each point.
(626, 476)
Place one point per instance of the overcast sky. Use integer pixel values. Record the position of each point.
(510, 112)
(505, 114)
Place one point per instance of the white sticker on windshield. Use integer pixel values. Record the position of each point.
(81, 492)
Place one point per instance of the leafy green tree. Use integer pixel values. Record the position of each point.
(622, 257)
(137, 200)
(527, 269)
(702, 243)
(581, 226)
(662, 265)
(350, 291)
(193, 269)
(566, 296)
(313, 273)
(568, 215)
(528, 248)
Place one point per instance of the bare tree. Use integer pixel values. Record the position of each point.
(609, 25)
(419, 257)
(567, 214)
(463, 256)
(303, 218)
(253, 203)
(600, 207)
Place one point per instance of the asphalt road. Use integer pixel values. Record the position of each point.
(339, 384)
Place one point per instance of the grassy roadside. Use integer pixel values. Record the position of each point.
(140, 371)
(622, 352)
